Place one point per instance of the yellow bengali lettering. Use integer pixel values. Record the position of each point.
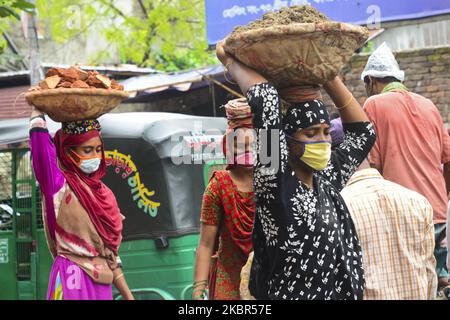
(140, 193)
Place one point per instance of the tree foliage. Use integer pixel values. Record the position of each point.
(11, 9)
(164, 34)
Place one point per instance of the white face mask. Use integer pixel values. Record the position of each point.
(89, 166)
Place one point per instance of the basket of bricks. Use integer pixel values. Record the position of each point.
(70, 94)
(295, 46)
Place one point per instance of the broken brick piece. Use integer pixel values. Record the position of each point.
(104, 80)
(65, 84)
(82, 75)
(94, 82)
(93, 73)
(79, 84)
(70, 74)
(52, 72)
(50, 82)
(75, 77)
(116, 86)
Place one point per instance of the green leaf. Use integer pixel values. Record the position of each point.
(7, 12)
(2, 44)
(22, 4)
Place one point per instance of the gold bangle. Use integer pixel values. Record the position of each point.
(118, 277)
(347, 104)
(204, 284)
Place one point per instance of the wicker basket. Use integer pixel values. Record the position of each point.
(299, 53)
(65, 104)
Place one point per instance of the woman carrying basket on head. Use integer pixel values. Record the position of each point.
(83, 222)
(227, 213)
(305, 244)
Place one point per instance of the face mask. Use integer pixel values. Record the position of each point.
(244, 159)
(316, 154)
(87, 165)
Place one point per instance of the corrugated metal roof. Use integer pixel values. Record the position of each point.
(7, 98)
(114, 69)
(12, 74)
(181, 81)
(119, 70)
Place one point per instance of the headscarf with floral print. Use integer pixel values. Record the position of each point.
(304, 115)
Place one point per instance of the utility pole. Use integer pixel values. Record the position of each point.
(36, 74)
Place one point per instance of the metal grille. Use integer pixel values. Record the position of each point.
(6, 210)
(20, 210)
(24, 203)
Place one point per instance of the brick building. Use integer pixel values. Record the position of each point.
(427, 72)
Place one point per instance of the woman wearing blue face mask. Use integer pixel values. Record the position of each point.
(305, 243)
(83, 222)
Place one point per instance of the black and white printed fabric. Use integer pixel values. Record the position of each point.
(304, 115)
(305, 242)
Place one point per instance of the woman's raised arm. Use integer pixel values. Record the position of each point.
(243, 75)
(348, 107)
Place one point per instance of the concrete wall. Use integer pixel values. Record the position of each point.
(416, 34)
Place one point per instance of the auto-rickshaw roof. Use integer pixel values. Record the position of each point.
(156, 127)
(152, 126)
(162, 154)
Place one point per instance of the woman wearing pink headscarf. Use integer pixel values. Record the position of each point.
(83, 222)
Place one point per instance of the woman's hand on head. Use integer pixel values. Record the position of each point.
(35, 112)
(245, 76)
(223, 57)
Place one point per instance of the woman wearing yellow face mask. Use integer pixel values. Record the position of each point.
(305, 244)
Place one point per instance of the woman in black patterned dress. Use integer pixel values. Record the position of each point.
(305, 243)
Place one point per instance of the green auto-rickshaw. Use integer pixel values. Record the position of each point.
(157, 167)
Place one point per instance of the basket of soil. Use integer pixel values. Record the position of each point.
(74, 94)
(295, 46)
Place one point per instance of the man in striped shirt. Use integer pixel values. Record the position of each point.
(396, 233)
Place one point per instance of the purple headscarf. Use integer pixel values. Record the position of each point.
(336, 132)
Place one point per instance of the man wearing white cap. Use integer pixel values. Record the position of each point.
(412, 141)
